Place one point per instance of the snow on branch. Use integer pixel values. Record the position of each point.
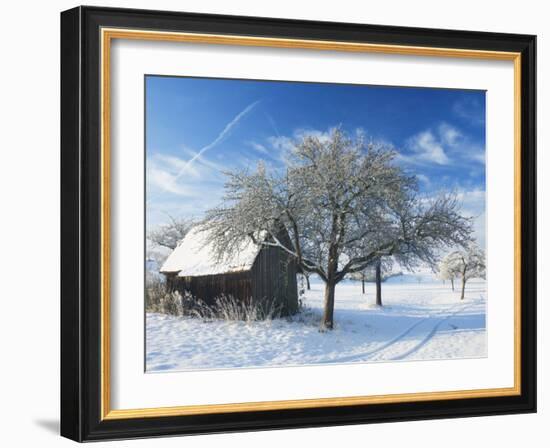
(170, 234)
(342, 204)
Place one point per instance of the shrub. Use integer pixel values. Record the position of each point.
(154, 290)
(171, 303)
(159, 300)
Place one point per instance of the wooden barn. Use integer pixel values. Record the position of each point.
(255, 273)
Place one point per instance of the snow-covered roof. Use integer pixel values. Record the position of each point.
(195, 256)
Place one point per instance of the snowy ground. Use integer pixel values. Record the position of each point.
(421, 319)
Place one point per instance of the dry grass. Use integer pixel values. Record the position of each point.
(226, 307)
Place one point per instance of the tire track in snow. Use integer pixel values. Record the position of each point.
(429, 336)
(360, 356)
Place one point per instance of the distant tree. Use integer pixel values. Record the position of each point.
(448, 269)
(308, 285)
(467, 264)
(156, 255)
(344, 205)
(170, 234)
(362, 276)
(382, 267)
(378, 271)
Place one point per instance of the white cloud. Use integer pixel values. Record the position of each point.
(472, 202)
(284, 145)
(322, 136)
(168, 173)
(158, 212)
(460, 145)
(470, 110)
(444, 146)
(173, 164)
(165, 181)
(473, 205)
(449, 134)
(281, 143)
(427, 148)
(258, 147)
(474, 153)
(424, 179)
(201, 160)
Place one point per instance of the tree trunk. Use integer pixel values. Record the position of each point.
(463, 287)
(379, 283)
(330, 287)
(453, 284)
(307, 283)
(328, 315)
(363, 284)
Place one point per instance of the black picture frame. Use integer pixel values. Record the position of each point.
(81, 210)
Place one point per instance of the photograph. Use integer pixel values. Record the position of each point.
(303, 223)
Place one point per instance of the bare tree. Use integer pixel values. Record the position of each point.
(376, 272)
(467, 264)
(344, 204)
(308, 284)
(156, 256)
(170, 234)
(362, 276)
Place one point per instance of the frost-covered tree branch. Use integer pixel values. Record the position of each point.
(170, 234)
(340, 205)
(465, 264)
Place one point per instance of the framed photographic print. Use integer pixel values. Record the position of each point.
(273, 223)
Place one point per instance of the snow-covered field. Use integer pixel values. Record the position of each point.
(421, 319)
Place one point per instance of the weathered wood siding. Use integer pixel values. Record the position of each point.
(209, 287)
(273, 277)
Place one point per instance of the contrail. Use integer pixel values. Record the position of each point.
(228, 128)
(273, 125)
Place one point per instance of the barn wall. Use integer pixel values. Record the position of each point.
(171, 281)
(209, 287)
(273, 277)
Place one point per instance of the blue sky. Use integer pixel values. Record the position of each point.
(197, 127)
